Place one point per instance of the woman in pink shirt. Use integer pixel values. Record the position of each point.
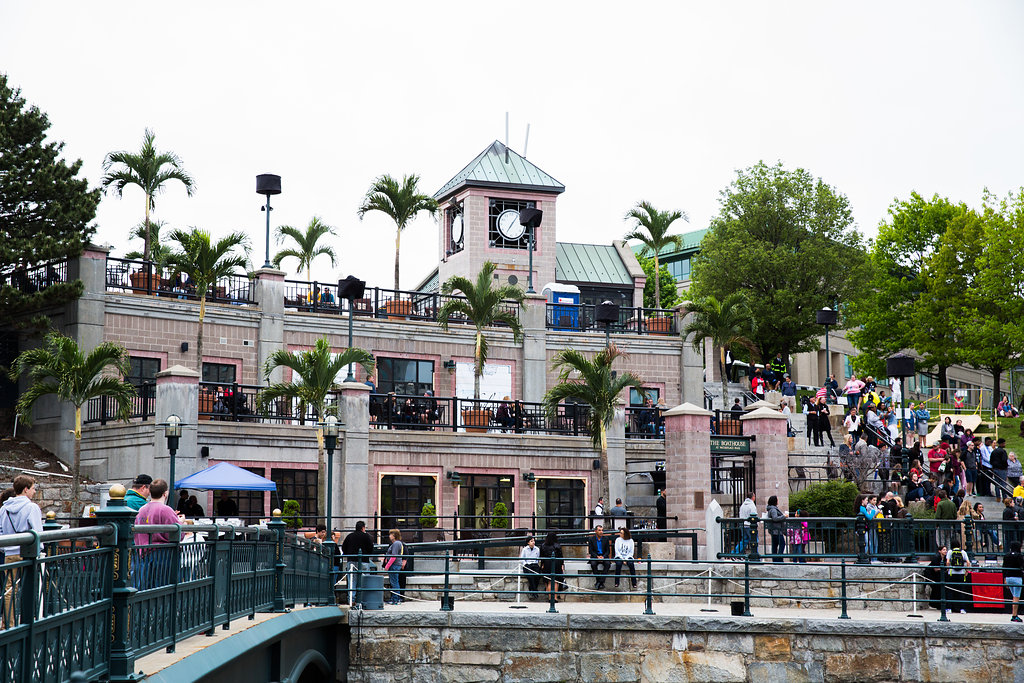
(852, 390)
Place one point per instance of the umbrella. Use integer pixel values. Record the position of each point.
(226, 476)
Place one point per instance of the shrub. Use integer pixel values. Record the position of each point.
(500, 514)
(428, 516)
(290, 514)
(827, 499)
(920, 509)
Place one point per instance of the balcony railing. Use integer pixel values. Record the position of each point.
(37, 278)
(240, 403)
(645, 422)
(431, 413)
(581, 318)
(145, 277)
(102, 409)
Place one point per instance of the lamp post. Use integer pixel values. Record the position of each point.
(530, 218)
(607, 312)
(172, 430)
(268, 184)
(351, 288)
(901, 365)
(827, 317)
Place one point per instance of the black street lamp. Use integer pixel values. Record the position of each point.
(530, 218)
(331, 428)
(351, 288)
(607, 312)
(172, 430)
(827, 317)
(268, 184)
(901, 365)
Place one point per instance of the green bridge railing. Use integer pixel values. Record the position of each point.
(89, 600)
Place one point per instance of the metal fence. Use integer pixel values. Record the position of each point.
(645, 422)
(146, 277)
(101, 409)
(582, 318)
(89, 600)
(433, 413)
(37, 278)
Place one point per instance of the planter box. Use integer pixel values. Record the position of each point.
(398, 310)
(476, 421)
(659, 325)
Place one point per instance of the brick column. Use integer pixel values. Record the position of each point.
(691, 364)
(617, 455)
(535, 359)
(687, 468)
(771, 464)
(352, 460)
(269, 294)
(177, 393)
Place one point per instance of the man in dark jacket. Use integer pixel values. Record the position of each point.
(662, 508)
(599, 548)
(1000, 461)
(356, 543)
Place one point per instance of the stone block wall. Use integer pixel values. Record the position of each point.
(462, 646)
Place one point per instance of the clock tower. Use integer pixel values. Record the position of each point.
(480, 219)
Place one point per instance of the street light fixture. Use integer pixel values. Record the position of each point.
(901, 365)
(351, 288)
(827, 317)
(331, 428)
(530, 219)
(268, 184)
(172, 430)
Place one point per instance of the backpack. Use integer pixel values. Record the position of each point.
(957, 559)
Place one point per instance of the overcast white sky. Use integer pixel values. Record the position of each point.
(626, 101)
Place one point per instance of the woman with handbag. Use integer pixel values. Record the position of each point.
(394, 563)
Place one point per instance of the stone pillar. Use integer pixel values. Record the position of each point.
(535, 358)
(771, 463)
(616, 436)
(691, 365)
(269, 296)
(352, 461)
(687, 469)
(177, 393)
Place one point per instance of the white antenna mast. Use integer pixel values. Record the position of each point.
(526, 143)
(506, 137)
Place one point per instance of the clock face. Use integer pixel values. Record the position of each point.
(457, 229)
(509, 225)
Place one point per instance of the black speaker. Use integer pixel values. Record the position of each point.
(205, 451)
(531, 217)
(827, 316)
(268, 184)
(597, 463)
(351, 288)
(606, 312)
(900, 365)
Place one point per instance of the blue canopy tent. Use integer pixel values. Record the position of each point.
(226, 476)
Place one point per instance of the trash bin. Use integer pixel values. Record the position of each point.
(369, 587)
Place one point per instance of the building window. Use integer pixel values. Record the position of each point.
(679, 269)
(250, 503)
(495, 209)
(455, 225)
(402, 498)
(847, 366)
(478, 494)
(635, 399)
(299, 485)
(560, 504)
(143, 370)
(405, 376)
(222, 373)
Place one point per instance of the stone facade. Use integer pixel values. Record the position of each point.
(507, 648)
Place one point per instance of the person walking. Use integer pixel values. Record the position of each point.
(139, 492)
(156, 564)
(624, 548)
(394, 563)
(824, 423)
(18, 515)
(552, 564)
(1013, 573)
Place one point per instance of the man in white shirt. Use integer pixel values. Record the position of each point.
(985, 466)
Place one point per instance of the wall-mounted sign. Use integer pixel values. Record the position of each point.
(738, 445)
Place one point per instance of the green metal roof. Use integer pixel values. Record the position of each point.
(490, 169)
(691, 242)
(430, 284)
(599, 263)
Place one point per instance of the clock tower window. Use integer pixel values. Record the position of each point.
(454, 221)
(503, 227)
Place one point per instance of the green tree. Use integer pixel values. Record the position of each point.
(726, 323)
(593, 382)
(314, 376)
(664, 285)
(651, 229)
(205, 262)
(60, 368)
(902, 307)
(45, 208)
(400, 201)
(149, 170)
(158, 252)
(484, 306)
(785, 240)
(306, 245)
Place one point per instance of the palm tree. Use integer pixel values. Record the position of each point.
(651, 229)
(59, 367)
(149, 170)
(158, 252)
(725, 323)
(483, 306)
(204, 263)
(305, 249)
(591, 381)
(315, 374)
(400, 201)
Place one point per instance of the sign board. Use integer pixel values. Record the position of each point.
(495, 383)
(737, 445)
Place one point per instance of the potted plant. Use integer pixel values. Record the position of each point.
(290, 514)
(428, 516)
(398, 309)
(499, 516)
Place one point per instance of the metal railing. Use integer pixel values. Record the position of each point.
(102, 601)
(100, 410)
(645, 422)
(581, 318)
(146, 277)
(726, 423)
(233, 402)
(37, 278)
(434, 413)
(888, 539)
